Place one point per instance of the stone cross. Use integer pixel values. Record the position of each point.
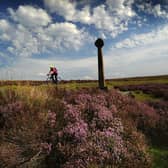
(99, 44)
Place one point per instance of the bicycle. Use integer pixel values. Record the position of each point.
(50, 79)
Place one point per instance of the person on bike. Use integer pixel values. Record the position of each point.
(53, 73)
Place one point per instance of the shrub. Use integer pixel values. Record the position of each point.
(93, 133)
(74, 129)
(153, 124)
(160, 135)
(158, 89)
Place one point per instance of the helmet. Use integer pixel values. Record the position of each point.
(51, 66)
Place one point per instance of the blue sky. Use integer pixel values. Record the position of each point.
(37, 33)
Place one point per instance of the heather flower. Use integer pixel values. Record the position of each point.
(77, 131)
(91, 129)
(51, 118)
(46, 147)
(11, 108)
(72, 113)
(113, 109)
(10, 112)
(91, 117)
(100, 99)
(79, 163)
(83, 98)
(104, 114)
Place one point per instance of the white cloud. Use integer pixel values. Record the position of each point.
(66, 35)
(67, 69)
(139, 55)
(106, 23)
(111, 18)
(30, 16)
(122, 8)
(138, 61)
(156, 36)
(141, 61)
(146, 55)
(21, 41)
(4, 25)
(4, 28)
(155, 10)
(34, 33)
(64, 7)
(5, 59)
(68, 10)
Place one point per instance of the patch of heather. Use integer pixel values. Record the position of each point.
(51, 118)
(160, 135)
(72, 113)
(10, 113)
(143, 116)
(156, 126)
(157, 89)
(76, 129)
(93, 132)
(46, 147)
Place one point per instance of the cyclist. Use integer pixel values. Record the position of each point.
(53, 74)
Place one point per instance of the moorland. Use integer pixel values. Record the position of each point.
(74, 124)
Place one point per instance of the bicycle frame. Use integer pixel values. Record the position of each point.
(49, 79)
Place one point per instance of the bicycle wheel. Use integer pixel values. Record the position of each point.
(48, 80)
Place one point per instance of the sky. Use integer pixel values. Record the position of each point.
(35, 34)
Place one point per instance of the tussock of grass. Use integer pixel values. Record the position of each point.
(139, 95)
(160, 157)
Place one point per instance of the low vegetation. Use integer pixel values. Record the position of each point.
(66, 126)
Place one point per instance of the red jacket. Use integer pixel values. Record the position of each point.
(53, 71)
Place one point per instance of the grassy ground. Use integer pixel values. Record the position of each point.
(139, 95)
(160, 155)
(94, 83)
(140, 80)
(114, 82)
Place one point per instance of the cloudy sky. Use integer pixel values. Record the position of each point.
(37, 33)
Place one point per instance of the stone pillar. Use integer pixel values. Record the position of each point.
(99, 44)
